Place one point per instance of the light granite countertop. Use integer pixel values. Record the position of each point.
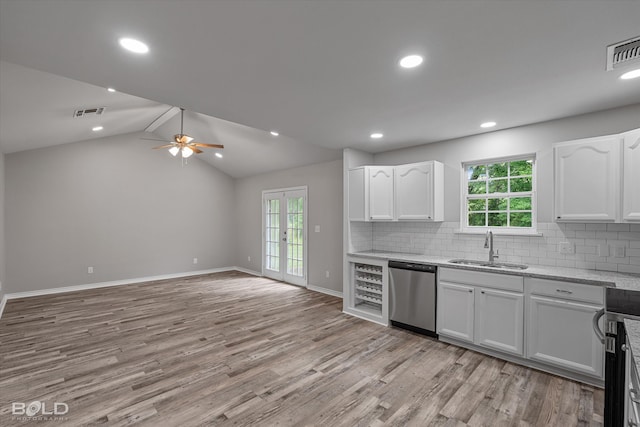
(590, 277)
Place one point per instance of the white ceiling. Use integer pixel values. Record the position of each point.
(36, 110)
(325, 73)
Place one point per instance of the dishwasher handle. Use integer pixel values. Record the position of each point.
(401, 265)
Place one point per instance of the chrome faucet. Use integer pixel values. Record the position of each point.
(488, 244)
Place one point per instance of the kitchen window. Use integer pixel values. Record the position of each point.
(499, 194)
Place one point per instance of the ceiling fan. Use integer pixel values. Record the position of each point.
(184, 143)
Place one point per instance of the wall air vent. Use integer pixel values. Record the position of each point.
(89, 112)
(623, 53)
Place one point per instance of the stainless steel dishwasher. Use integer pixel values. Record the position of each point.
(412, 296)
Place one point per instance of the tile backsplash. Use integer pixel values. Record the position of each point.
(610, 247)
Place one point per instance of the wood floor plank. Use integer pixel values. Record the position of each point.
(230, 349)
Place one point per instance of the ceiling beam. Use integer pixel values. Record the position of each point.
(162, 119)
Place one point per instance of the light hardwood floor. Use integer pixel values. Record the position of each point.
(233, 349)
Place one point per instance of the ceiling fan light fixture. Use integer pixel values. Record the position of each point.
(174, 151)
(186, 152)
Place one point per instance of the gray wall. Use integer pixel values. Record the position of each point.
(2, 252)
(537, 138)
(116, 205)
(324, 182)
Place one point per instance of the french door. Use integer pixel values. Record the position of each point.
(284, 235)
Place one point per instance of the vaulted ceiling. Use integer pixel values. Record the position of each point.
(322, 73)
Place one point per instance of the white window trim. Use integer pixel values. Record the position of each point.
(514, 231)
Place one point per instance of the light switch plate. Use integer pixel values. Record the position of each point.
(603, 250)
(566, 248)
(317, 228)
(618, 251)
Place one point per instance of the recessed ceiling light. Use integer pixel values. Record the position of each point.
(488, 124)
(110, 89)
(274, 133)
(219, 155)
(411, 61)
(97, 128)
(133, 45)
(633, 74)
(376, 135)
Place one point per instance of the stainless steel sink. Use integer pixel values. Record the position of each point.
(506, 265)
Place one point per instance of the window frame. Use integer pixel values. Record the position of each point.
(464, 196)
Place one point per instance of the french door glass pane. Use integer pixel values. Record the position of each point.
(295, 236)
(272, 235)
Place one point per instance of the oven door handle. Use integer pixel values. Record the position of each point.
(596, 327)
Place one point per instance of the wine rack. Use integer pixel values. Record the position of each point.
(368, 285)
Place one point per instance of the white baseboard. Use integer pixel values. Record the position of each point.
(114, 283)
(2, 304)
(246, 270)
(325, 291)
(87, 286)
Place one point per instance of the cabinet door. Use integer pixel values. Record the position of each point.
(414, 191)
(586, 181)
(560, 333)
(499, 320)
(631, 174)
(455, 311)
(381, 193)
(358, 195)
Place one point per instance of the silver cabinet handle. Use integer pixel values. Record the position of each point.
(564, 291)
(596, 327)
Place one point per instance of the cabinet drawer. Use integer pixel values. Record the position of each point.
(566, 290)
(479, 278)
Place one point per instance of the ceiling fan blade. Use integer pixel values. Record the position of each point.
(202, 144)
(195, 149)
(164, 146)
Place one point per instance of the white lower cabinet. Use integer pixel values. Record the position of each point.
(544, 323)
(499, 320)
(482, 308)
(560, 333)
(455, 311)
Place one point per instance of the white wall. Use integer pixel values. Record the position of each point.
(537, 138)
(116, 205)
(2, 250)
(324, 182)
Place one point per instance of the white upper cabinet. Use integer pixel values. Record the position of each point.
(359, 194)
(419, 191)
(397, 193)
(631, 176)
(381, 193)
(587, 179)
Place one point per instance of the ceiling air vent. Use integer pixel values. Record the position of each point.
(89, 112)
(623, 53)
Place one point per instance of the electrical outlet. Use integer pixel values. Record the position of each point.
(249, 258)
(327, 274)
(603, 250)
(566, 248)
(195, 260)
(618, 251)
(90, 270)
